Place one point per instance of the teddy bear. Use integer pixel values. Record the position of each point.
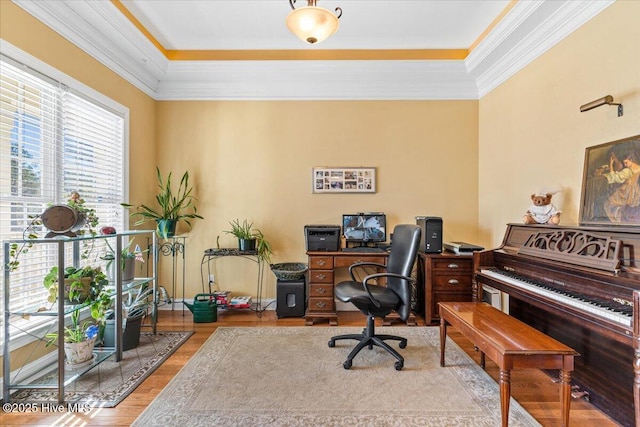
(542, 210)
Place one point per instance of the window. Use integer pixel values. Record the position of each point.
(54, 140)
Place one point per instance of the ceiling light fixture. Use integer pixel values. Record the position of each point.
(312, 24)
(605, 100)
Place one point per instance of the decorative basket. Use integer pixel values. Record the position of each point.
(289, 270)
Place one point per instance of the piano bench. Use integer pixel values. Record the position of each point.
(511, 344)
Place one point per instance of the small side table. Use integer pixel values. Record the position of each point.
(175, 247)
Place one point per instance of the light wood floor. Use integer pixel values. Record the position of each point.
(533, 389)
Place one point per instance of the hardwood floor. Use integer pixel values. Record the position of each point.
(533, 389)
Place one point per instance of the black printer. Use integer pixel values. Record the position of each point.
(322, 237)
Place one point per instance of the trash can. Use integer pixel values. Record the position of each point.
(290, 298)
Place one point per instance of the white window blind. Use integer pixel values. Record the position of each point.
(53, 141)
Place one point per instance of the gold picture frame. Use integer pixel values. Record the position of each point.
(344, 180)
(611, 184)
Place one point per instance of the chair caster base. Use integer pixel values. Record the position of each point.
(347, 364)
(399, 366)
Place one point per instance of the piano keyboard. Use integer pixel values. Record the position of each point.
(615, 312)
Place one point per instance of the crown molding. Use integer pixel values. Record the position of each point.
(317, 80)
(531, 31)
(102, 31)
(500, 35)
(99, 29)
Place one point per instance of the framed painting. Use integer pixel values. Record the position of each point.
(610, 184)
(344, 180)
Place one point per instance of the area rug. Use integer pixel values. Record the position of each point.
(110, 382)
(289, 376)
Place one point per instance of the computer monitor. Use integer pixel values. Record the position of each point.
(364, 227)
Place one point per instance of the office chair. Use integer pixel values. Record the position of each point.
(377, 300)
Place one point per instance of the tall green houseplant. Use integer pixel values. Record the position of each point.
(173, 206)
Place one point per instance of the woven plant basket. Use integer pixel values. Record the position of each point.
(289, 270)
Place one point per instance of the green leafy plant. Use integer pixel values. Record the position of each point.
(89, 214)
(98, 299)
(96, 278)
(263, 247)
(134, 302)
(178, 206)
(76, 332)
(245, 230)
(125, 254)
(242, 230)
(30, 232)
(28, 235)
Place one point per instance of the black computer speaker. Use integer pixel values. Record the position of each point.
(431, 239)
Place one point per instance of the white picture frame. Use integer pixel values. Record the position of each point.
(343, 180)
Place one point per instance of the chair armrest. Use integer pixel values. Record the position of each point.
(378, 275)
(364, 264)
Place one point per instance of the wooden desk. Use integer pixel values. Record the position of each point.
(322, 266)
(511, 344)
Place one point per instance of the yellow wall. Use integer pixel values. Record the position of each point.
(474, 163)
(532, 134)
(254, 160)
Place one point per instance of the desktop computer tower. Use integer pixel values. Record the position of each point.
(290, 298)
(431, 239)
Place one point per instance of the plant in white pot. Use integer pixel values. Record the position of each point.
(174, 206)
(78, 340)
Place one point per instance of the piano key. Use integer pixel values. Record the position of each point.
(599, 308)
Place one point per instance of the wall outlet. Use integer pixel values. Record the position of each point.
(212, 278)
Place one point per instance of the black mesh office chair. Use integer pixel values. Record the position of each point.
(379, 301)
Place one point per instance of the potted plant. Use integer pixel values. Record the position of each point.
(134, 308)
(128, 258)
(245, 233)
(250, 239)
(80, 283)
(263, 247)
(87, 221)
(173, 206)
(79, 340)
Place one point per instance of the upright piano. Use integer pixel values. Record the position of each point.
(577, 285)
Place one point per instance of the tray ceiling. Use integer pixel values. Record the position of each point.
(242, 49)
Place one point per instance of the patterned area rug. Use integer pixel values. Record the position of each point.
(110, 382)
(290, 377)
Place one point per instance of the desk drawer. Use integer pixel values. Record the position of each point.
(453, 265)
(320, 290)
(452, 282)
(321, 276)
(346, 261)
(320, 262)
(320, 304)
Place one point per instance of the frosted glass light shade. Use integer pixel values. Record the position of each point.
(312, 24)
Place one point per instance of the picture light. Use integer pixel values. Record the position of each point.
(605, 100)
